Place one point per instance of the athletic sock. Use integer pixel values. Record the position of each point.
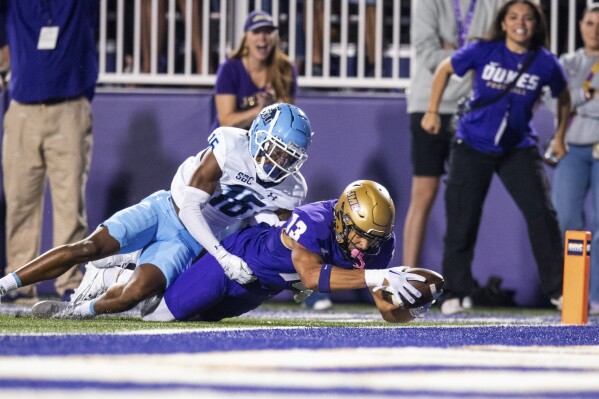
(85, 309)
(9, 283)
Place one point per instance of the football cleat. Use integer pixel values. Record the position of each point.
(149, 305)
(119, 260)
(91, 286)
(57, 310)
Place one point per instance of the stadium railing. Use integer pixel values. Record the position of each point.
(343, 40)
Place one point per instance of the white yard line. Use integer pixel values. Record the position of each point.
(495, 369)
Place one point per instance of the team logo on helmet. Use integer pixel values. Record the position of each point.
(365, 209)
(280, 137)
(352, 200)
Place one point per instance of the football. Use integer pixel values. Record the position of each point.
(428, 289)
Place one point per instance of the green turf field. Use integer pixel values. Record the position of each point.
(19, 321)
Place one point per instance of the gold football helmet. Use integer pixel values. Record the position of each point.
(366, 208)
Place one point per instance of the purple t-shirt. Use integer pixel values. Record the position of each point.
(233, 78)
(504, 124)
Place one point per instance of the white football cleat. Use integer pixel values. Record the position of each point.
(91, 286)
(57, 310)
(119, 260)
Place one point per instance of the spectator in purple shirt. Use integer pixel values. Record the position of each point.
(511, 66)
(258, 74)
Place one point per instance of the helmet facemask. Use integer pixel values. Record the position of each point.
(364, 216)
(275, 160)
(345, 239)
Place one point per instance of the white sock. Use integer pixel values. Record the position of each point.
(85, 309)
(9, 283)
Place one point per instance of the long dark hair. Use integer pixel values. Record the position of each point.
(540, 38)
(280, 69)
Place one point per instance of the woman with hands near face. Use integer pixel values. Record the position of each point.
(256, 75)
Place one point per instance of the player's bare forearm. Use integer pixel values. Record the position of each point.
(309, 266)
(389, 312)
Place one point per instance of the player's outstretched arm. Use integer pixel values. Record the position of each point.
(196, 195)
(319, 276)
(313, 274)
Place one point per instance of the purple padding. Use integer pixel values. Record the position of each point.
(309, 338)
(141, 137)
(139, 141)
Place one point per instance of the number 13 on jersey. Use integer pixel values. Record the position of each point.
(296, 227)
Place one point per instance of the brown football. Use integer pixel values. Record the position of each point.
(428, 289)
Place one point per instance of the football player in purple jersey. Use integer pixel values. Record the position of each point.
(324, 246)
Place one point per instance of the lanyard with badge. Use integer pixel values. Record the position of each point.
(463, 26)
(49, 33)
(586, 85)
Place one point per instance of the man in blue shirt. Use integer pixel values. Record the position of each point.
(48, 125)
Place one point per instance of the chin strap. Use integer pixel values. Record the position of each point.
(356, 254)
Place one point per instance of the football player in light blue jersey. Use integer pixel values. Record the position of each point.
(240, 174)
(326, 246)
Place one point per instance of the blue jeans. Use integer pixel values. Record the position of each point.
(575, 176)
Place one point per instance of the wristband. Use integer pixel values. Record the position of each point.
(374, 278)
(324, 280)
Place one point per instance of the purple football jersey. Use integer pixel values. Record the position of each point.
(203, 292)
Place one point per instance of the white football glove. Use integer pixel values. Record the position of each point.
(235, 268)
(398, 283)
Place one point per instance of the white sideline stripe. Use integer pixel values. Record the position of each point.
(296, 369)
